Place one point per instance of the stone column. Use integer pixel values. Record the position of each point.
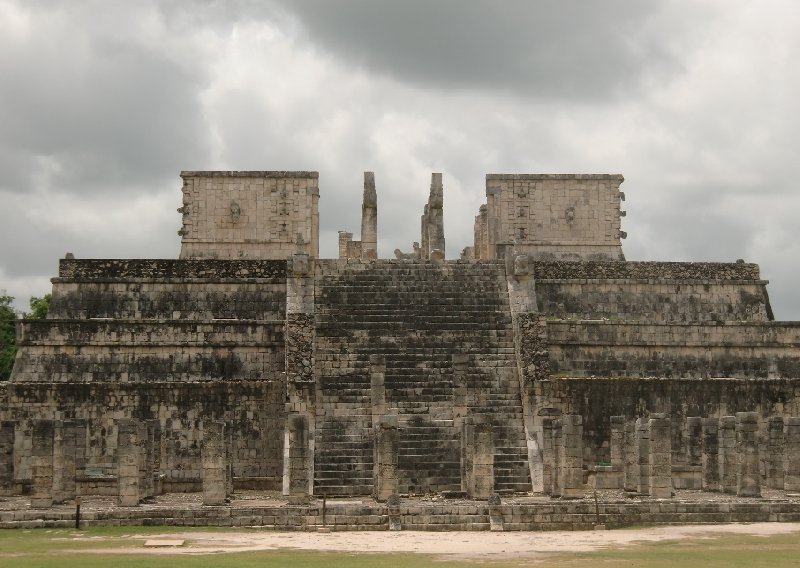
(299, 336)
(299, 456)
(483, 459)
(694, 441)
(617, 447)
(711, 481)
(433, 219)
(791, 481)
(643, 455)
(557, 466)
(128, 462)
(229, 455)
(64, 460)
(630, 481)
(42, 464)
(728, 462)
(572, 457)
(775, 452)
(748, 482)
(660, 462)
(547, 455)
(369, 219)
(214, 466)
(386, 457)
(6, 458)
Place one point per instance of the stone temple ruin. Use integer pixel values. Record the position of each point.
(538, 363)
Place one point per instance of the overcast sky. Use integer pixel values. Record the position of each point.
(695, 102)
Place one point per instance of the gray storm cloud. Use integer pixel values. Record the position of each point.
(103, 103)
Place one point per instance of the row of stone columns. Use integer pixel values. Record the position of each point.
(726, 449)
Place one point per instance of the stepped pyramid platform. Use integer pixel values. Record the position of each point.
(414, 392)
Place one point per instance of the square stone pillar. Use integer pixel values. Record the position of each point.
(660, 462)
(728, 461)
(214, 463)
(711, 481)
(791, 481)
(42, 464)
(7, 431)
(478, 456)
(776, 445)
(299, 457)
(65, 459)
(386, 453)
(483, 459)
(547, 455)
(572, 457)
(617, 445)
(643, 455)
(694, 440)
(748, 482)
(229, 454)
(630, 478)
(129, 457)
(558, 450)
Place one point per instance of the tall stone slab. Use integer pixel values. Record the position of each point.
(558, 450)
(42, 464)
(748, 482)
(548, 455)
(215, 468)
(617, 446)
(694, 440)
(369, 219)
(728, 460)
(478, 456)
(791, 480)
(129, 456)
(300, 385)
(299, 458)
(65, 458)
(630, 479)
(572, 456)
(433, 242)
(7, 431)
(386, 454)
(711, 469)
(776, 441)
(643, 455)
(660, 459)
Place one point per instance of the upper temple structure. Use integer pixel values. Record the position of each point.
(538, 360)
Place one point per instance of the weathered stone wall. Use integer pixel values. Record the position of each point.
(596, 399)
(567, 216)
(654, 301)
(74, 351)
(254, 410)
(234, 215)
(623, 349)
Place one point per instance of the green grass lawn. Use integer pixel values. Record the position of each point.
(62, 547)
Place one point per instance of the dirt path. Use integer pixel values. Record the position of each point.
(451, 544)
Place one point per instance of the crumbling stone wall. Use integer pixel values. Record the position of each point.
(632, 349)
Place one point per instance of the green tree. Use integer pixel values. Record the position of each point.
(8, 336)
(39, 307)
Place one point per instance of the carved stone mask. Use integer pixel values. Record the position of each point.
(569, 215)
(236, 212)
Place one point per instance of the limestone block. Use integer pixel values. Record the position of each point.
(571, 456)
(776, 445)
(711, 463)
(7, 431)
(42, 464)
(660, 458)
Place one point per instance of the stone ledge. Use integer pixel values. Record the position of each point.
(251, 173)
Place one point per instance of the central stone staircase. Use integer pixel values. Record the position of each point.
(412, 316)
